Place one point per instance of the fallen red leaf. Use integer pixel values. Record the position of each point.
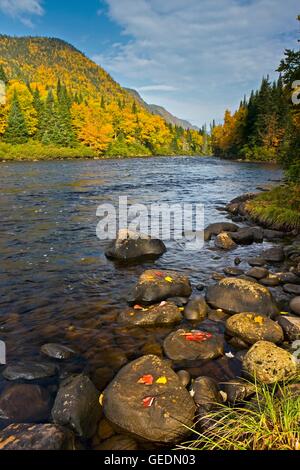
(138, 307)
(146, 380)
(148, 402)
(197, 336)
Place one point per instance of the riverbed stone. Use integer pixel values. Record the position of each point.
(178, 348)
(24, 403)
(247, 236)
(219, 227)
(196, 309)
(77, 406)
(290, 326)
(273, 234)
(29, 371)
(36, 437)
(232, 271)
(256, 261)
(118, 443)
(292, 289)
(269, 363)
(235, 295)
(206, 393)
(257, 272)
(270, 281)
(166, 313)
(224, 241)
(154, 286)
(238, 390)
(274, 255)
(165, 418)
(131, 245)
(288, 278)
(57, 351)
(184, 377)
(251, 328)
(295, 305)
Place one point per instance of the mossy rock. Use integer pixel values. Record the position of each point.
(251, 328)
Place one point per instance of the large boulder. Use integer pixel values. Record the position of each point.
(290, 326)
(36, 437)
(160, 411)
(77, 406)
(184, 344)
(24, 403)
(196, 309)
(131, 245)
(268, 363)
(224, 241)
(166, 313)
(248, 235)
(154, 286)
(236, 295)
(29, 371)
(219, 227)
(295, 305)
(251, 328)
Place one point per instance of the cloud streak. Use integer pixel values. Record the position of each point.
(210, 51)
(22, 9)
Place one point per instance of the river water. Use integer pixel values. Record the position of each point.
(56, 283)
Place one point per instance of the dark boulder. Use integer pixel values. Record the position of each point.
(155, 286)
(25, 403)
(196, 309)
(206, 393)
(257, 261)
(29, 371)
(237, 295)
(179, 347)
(273, 234)
(158, 412)
(257, 273)
(57, 351)
(251, 328)
(247, 236)
(292, 289)
(274, 255)
(290, 326)
(238, 390)
(166, 313)
(288, 278)
(133, 245)
(36, 437)
(77, 406)
(295, 305)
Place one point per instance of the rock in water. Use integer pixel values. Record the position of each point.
(179, 347)
(196, 309)
(166, 313)
(206, 393)
(154, 286)
(269, 363)
(57, 351)
(160, 412)
(295, 305)
(274, 255)
(247, 235)
(235, 295)
(292, 289)
(36, 437)
(257, 272)
(224, 241)
(131, 245)
(291, 327)
(29, 371)
(251, 328)
(218, 227)
(24, 403)
(77, 406)
(238, 390)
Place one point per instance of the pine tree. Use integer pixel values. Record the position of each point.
(3, 77)
(16, 131)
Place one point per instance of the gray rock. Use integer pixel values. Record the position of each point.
(229, 271)
(273, 234)
(251, 328)
(24, 403)
(178, 348)
(290, 326)
(184, 377)
(206, 393)
(257, 273)
(270, 281)
(166, 313)
(196, 309)
(248, 235)
(237, 295)
(238, 390)
(57, 351)
(257, 261)
(77, 406)
(218, 227)
(154, 286)
(36, 437)
(295, 305)
(159, 412)
(29, 371)
(273, 255)
(268, 363)
(133, 245)
(288, 278)
(292, 289)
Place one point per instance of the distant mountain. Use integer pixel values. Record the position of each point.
(162, 112)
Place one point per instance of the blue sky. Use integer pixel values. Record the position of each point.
(195, 57)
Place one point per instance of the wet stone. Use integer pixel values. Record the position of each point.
(295, 305)
(25, 403)
(292, 289)
(225, 242)
(288, 278)
(196, 309)
(57, 351)
(257, 273)
(178, 347)
(274, 255)
(258, 261)
(250, 327)
(29, 371)
(36, 437)
(166, 313)
(290, 326)
(238, 390)
(270, 281)
(230, 271)
(132, 245)
(184, 377)
(118, 443)
(206, 393)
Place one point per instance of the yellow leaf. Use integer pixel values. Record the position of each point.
(259, 320)
(284, 313)
(168, 279)
(101, 398)
(162, 380)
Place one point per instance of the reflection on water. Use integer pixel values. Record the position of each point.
(57, 285)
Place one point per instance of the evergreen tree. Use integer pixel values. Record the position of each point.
(16, 131)
(3, 77)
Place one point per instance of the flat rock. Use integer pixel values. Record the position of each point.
(270, 281)
(257, 272)
(166, 313)
(290, 326)
(196, 309)
(29, 371)
(273, 234)
(231, 271)
(57, 351)
(160, 412)
(36, 437)
(77, 406)
(251, 328)
(295, 305)
(247, 235)
(288, 278)
(292, 289)
(257, 261)
(225, 242)
(131, 245)
(154, 286)
(178, 348)
(25, 403)
(268, 363)
(274, 255)
(235, 295)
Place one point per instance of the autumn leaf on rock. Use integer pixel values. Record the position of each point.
(148, 402)
(146, 380)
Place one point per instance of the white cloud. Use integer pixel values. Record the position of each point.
(157, 88)
(22, 9)
(210, 51)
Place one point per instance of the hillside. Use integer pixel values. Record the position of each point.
(162, 112)
(57, 97)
